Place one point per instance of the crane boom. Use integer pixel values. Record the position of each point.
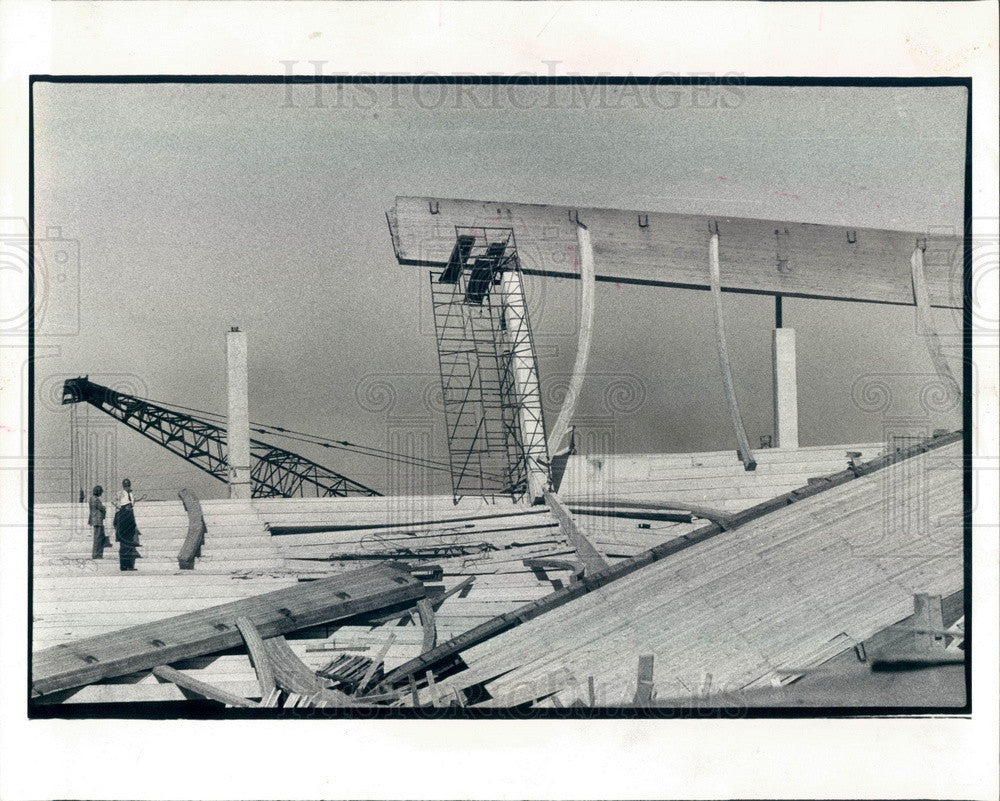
(274, 472)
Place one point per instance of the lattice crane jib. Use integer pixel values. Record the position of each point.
(489, 373)
(274, 472)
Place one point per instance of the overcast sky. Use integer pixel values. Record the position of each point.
(197, 207)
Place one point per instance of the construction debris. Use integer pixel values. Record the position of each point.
(215, 629)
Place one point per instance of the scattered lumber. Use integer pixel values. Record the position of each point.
(449, 650)
(347, 671)
(375, 664)
(293, 676)
(207, 631)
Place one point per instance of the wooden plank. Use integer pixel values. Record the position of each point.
(928, 613)
(762, 256)
(644, 681)
(541, 563)
(202, 688)
(290, 672)
(258, 655)
(588, 554)
(667, 508)
(426, 612)
(214, 629)
(296, 678)
(379, 659)
(659, 517)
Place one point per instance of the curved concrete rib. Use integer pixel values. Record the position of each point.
(715, 281)
(925, 325)
(585, 251)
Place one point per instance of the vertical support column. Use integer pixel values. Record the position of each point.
(238, 420)
(786, 395)
(526, 382)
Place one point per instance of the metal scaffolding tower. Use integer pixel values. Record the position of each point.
(489, 374)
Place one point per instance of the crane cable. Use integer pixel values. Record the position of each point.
(313, 439)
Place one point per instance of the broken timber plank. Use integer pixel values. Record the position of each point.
(258, 655)
(201, 688)
(296, 678)
(149, 645)
(543, 563)
(379, 658)
(773, 257)
(426, 612)
(589, 556)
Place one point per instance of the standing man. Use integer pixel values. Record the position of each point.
(98, 511)
(126, 531)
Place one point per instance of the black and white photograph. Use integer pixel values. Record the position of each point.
(550, 400)
(632, 395)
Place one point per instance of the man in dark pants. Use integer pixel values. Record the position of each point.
(125, 528)
(97, 514)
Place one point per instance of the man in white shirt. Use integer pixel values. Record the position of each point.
(125, 528)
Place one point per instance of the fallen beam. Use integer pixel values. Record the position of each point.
(659, 517)
(258, 655)
(768, 257)
(207, 631)
(585, 550)
(204, 689)
(660, 510)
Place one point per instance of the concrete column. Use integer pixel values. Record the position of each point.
(238, 421)
(786, 395)
(527, 385)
